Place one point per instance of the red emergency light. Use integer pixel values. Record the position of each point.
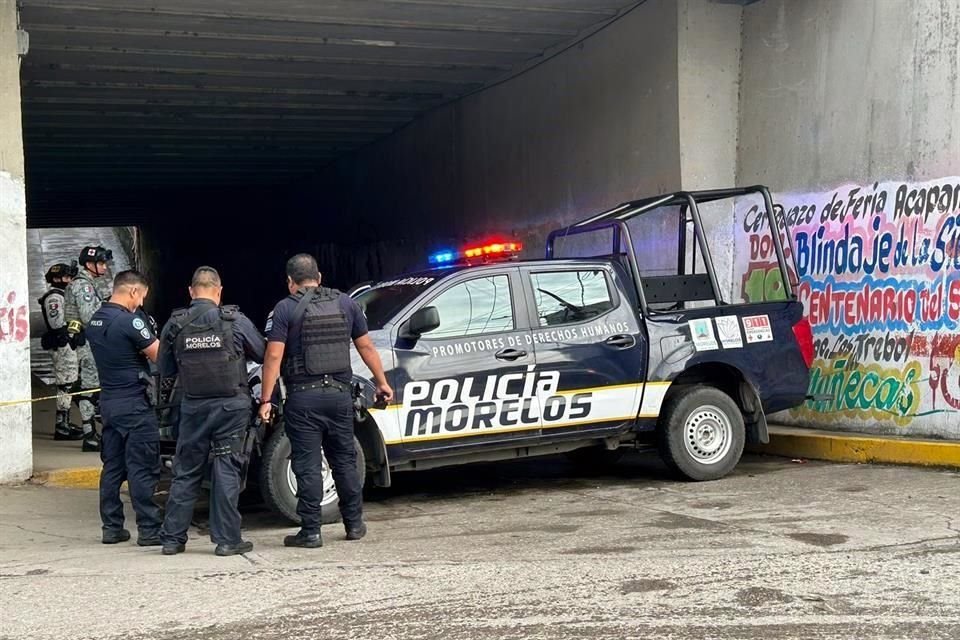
(496, 249)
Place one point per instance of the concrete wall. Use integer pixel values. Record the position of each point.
(849, 110)
(15, 431)
(587, 129)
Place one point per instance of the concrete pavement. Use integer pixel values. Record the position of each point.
(529, 549)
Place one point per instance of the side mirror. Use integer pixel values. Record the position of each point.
(422, 321)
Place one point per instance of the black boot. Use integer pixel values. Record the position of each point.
(91, 439)
(64, 430)
(304, 540)
(357, 532)
(244, 546)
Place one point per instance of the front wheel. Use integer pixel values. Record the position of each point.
(702, 433)
(278, 484)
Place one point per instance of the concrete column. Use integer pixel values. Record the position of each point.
(16, 452)
(708, 86)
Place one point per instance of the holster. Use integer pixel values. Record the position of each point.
(149, 387)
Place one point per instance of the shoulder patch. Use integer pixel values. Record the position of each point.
(269, 325)
(138, 324)
(145, 333)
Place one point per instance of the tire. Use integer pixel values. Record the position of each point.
(278, 484)
(701, 434)
(595, 458)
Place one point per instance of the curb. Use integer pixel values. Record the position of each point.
(836, 446)
(789, 442)
(73, 478)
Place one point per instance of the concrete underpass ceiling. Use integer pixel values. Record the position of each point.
(161, 94)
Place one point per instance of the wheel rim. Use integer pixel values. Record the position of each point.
(707, 435)
(329, 488)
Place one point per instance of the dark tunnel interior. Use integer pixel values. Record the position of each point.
(210, 126)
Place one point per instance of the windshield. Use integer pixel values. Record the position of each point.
(386, 299)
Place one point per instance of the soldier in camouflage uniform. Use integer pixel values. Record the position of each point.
(56, 340)
(84, 296)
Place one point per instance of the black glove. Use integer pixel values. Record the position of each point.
(77, 340)
(55, 339)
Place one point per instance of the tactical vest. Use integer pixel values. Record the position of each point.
(209, 363)
(71, 307)
(53, 338)
(43, 305)
(324, 336)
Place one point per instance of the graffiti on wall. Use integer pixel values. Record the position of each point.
(878, 267)
(14, 318)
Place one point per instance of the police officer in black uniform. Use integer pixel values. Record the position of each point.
(308, 337)
(122, 344)
(208, 345)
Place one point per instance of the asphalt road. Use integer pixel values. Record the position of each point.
(522, 550)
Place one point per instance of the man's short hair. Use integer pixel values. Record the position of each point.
(130, 278)
(205, 277)
(302, 267)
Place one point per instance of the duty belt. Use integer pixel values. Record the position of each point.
(326, 383)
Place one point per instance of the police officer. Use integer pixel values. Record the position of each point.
(208, 345)
(56, 340)
(309, 336)
(123, 345)
(84, 295)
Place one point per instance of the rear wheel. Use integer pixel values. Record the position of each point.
(278, 484)
(702, 433)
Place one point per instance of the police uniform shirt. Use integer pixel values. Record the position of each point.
(246, 338)
(117, 338)
(278, 326)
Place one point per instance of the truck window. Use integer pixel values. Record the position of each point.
(478, 306)
(385, 300)
(568, 297)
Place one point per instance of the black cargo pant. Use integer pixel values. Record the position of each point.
(130, 451)
(320, 421)
(216, 425)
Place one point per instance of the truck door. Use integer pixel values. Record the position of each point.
(587, 334)
(468, 376)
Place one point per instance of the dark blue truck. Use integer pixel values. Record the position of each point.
(493, 358)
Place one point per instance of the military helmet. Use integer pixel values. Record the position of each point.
(95, 254)
(60, 270)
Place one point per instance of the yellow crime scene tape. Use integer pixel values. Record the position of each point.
(10, 403)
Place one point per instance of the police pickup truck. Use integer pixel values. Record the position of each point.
(493, 358)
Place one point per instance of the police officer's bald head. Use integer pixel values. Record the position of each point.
(206, 284)
(302, 269)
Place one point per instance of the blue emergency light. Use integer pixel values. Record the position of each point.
(444, 257)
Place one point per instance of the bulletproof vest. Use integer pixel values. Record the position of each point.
(324, 335)
(43, 304)
(209, 363)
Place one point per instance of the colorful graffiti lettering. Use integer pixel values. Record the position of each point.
(763, 283)
(14, 321)
(869, 392)
(878, 267)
